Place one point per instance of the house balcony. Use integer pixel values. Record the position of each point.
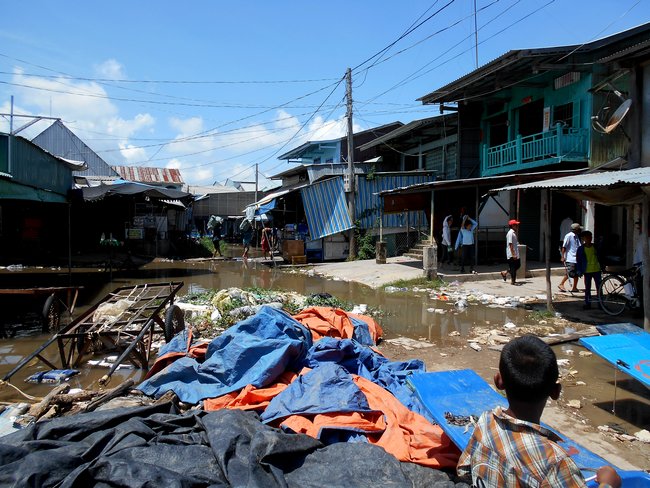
(546, 148)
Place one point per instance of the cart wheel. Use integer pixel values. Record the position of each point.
(51, 314)
(174, 322)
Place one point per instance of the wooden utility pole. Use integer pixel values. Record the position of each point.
(350, 187)
(256, 181)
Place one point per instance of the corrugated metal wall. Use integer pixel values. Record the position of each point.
(62, 142)
(326, 208)
(223, 204)
(368, 203)
(34, 167)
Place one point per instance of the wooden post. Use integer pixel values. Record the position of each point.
(547, 250)
(645, 214)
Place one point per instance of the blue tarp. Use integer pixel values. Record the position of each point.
(465, 393)
(629, 352)
(255, 351)
(325, 389)
(363, 361)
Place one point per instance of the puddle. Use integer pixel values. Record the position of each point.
(411, 315)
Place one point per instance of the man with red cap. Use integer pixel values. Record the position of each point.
(512, 252)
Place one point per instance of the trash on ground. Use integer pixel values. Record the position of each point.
(408, 343)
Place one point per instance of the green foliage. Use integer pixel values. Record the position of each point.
(538, 315)
(417, 282)
(326, 300)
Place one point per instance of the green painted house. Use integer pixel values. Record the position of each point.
(547, 109)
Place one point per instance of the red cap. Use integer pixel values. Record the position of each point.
(513, 222)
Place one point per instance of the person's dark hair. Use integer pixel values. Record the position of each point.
(586, 233)
(528, 367)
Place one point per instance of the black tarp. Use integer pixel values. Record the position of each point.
(156, 447)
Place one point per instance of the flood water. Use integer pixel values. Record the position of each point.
(403, 314)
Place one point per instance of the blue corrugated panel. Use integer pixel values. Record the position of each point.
(368, 203)
(325, 208)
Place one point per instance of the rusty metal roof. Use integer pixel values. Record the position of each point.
(150, 175)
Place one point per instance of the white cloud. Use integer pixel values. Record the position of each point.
(86, 109)
(110, 69)
(174, 164)
(188, 128)
(126, 128)
(131, 153)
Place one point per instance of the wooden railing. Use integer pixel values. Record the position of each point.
(550, 147)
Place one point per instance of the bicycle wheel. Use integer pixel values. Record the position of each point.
(612, 295)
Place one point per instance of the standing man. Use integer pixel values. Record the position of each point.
(512, 252)
(570, 247)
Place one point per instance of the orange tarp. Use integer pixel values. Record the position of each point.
(334, 322)
(249, 397)
(405, 434)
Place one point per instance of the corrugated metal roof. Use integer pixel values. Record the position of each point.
(605, 179)
(62, 142)
(411, 126)
(149, 175)
(484, 181)
(514, 63)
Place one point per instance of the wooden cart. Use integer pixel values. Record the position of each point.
(124, 320)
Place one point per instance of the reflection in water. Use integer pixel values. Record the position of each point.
(405, 314)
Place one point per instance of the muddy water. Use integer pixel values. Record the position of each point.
(403, 314)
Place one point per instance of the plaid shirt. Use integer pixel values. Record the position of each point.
(507, 452)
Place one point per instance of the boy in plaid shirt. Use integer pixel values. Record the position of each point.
(509, 448)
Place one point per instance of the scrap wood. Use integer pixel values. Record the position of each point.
(109, 395)
(561, 338)
(38, 409)
(81, 396)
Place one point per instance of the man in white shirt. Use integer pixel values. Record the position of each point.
(512, 252)
(570, 247)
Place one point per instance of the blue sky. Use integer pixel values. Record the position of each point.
(213, 87)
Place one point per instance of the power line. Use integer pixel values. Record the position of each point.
(406, 33)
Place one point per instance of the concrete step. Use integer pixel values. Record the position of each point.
(414, 255)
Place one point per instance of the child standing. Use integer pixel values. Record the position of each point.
(587, 264)
(508, 447)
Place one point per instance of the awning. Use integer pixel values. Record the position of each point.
(326, 208)
(268, 203)
(624, 187)
(122, 187)
(11, 190)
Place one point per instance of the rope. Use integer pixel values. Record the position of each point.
(29, 397)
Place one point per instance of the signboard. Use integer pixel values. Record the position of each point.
(547, 119)
(134, 233)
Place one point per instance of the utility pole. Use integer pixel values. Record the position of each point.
(476, 34)
(350, 187)
(11, 133)
(256, 181)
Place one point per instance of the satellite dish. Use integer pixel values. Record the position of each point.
(615, 118)
(618, 115)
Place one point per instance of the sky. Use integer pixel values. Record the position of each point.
(215, 88)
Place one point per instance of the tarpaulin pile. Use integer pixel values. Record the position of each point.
(312, 374)
(156, 447)
(286, 402)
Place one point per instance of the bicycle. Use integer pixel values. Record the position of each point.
(618, 291)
